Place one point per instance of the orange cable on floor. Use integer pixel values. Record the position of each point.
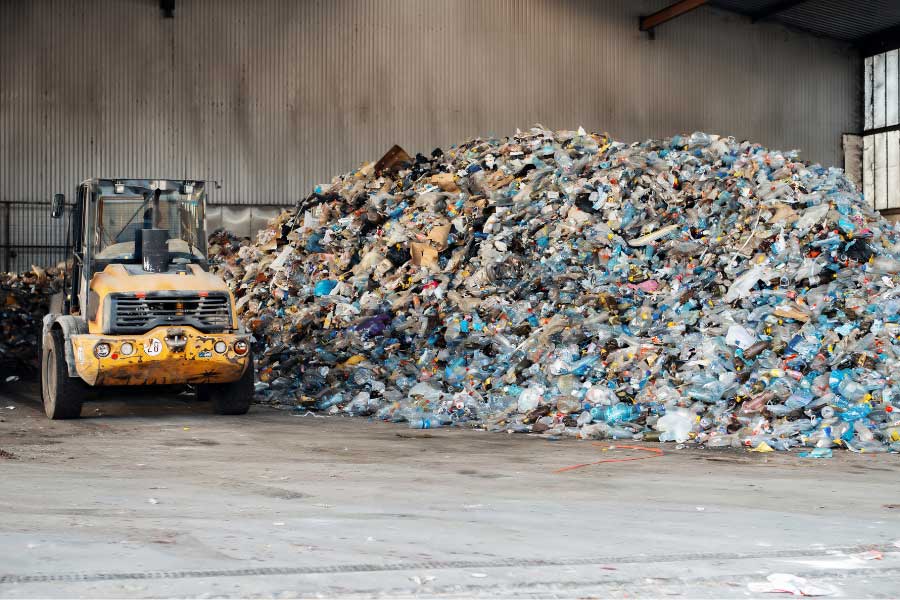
(656, 453)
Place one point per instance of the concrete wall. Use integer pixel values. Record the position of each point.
(273, 96)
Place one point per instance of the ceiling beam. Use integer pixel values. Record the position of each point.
(670, 12)
(774, 9)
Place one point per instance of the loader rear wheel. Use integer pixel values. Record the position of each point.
(62, 395)
(230, 398)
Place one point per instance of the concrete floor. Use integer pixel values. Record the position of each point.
(155, 497)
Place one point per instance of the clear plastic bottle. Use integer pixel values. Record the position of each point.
(429, 421)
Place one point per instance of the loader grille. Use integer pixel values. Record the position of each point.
(134, 314)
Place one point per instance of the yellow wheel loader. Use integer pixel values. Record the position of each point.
(138, 305)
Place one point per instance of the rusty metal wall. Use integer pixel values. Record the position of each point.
(273, 96)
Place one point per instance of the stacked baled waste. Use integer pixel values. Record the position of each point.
(696, 289)
(24, 300)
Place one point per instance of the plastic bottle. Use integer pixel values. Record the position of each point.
(617, 413)
(429, 421)
(855, 412)
(883, 265)
(620, 433)
(721, 441)
(362, 376)
(851, 390)
(324, 287)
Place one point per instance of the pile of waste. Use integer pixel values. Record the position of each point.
(696, 289)
(24, 300)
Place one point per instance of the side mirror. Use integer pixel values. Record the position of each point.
(57, 206)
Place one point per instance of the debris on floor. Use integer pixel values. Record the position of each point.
(696, 289)
(652, 453)
(24, 300)
(817, 453)
(785, 583)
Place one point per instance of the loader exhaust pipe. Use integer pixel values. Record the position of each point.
(153, 246)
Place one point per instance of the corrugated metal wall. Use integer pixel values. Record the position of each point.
(273, 96)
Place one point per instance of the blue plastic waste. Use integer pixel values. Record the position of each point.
(698, 288)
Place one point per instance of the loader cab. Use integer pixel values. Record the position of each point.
(112, 221)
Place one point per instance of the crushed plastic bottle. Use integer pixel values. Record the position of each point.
(696, 288)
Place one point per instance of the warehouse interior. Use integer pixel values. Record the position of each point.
(272, 102)
(521, 298)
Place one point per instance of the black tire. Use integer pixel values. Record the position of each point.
(62, 395)
(230, 398)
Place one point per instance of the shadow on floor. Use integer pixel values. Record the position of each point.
(118, 401)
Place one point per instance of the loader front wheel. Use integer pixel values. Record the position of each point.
(62, 395)
(230, 398)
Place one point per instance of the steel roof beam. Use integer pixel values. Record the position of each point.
(670, 12)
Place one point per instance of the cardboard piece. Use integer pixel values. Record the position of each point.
(439, 234)
(392, 161)
(423, 255)
(498, 179)
(445, 181)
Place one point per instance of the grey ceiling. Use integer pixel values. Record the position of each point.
(859, 21)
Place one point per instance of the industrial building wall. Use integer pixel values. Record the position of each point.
(881, 143)
(273, 96)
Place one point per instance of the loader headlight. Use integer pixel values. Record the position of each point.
(126, 349)
(220, 347)
(240, 347)
(101, 350)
